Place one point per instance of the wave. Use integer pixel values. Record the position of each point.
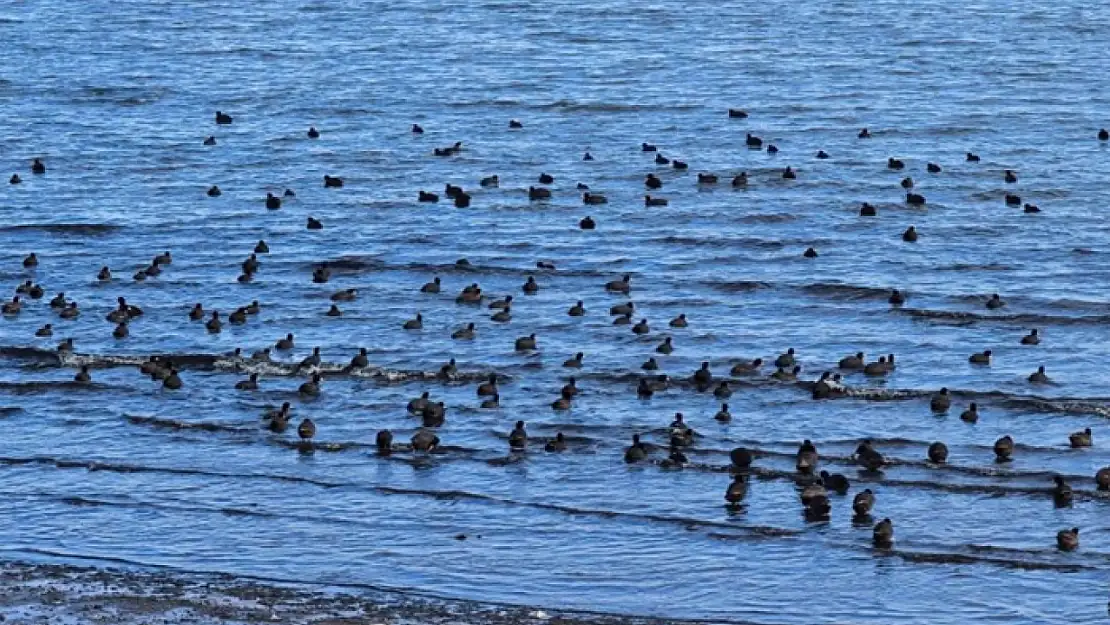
(1021, 318)
(175, 424)
(81, 229)
(845, 291)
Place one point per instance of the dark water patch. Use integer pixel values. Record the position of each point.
(845, 291)
(920, 557)
(737, 286)
(89, 230)
(1021, 318)
(975, 267)
(174, 424)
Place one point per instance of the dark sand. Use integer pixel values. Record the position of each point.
(58, 594)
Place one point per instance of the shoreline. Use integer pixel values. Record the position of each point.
(53, 593)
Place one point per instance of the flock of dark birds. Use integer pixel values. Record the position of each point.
(816, 486)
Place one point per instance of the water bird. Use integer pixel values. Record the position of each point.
(223, 118)
(210, 141)
(465, 333)
(852, 362)
(416, 323)
(425, 440)
(273, 202)
(1033, 338)
(810, 253)
(1004, 448)
(558, 444)
(835, 482)
(753, 141)
(539, 193)
(525, 343)
(653, 182)
(736, 490)
(45, 331)
(893, 163)
(679, 165)
(578, 310)
(789, 174)
(214, 191)
(331, 182)
(863, 502)
(910, 235)
(575, 362)
(311, 388)
(650, 365)
(587, 223)
(971, 415)
(662, 160)
(624, 285)
(1080, 439)
(897, 298)
(805, 461)
(915, 199)
(787, 375)
(286, 343)
(747, 368)
(635, 452)
(250, 384)
(981, 358)
(821, 154)
(172, 381)
(933, 168)
(907, 183)
(864, 134)
(1068, 540)
(938, 453)
(941, 401)
(1061, 492)
(1103, 135)
(1013, 200)
(868, 457)
(679, 321)
(723, 415)
(883, 534)
(740, 180)
(995, 302)
(431, 287)
(1039, 376)
(647, 147)
(104, 275)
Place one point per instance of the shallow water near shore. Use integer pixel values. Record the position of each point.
(118, 97)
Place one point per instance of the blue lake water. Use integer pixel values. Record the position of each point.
(117, 98)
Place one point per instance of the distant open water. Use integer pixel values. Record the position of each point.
(116, 97)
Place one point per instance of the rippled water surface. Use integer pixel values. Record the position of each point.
(117, 98)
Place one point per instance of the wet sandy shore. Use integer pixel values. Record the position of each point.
(59, 594)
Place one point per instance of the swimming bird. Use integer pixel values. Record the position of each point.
(1080, 439)
(810, 253)
(310, 361)
(644, 389)
(1039, 376)
(907, 183)
(222, 118)
(37, 167)
(624, 285)
(641, 327)
(311, 388)
(1033, 338)
(910, 235)
(679, 321)
(314, 224)
(941, 401)
(562, 403)
(938, 453)
(425, 440)
(747, 368)
(981, 358)
(703, 376)
(558, 444)
(489, 387)
(971, 415)
(273, 202)
(83, 376)
(13, 307)
(893, 163)
(736, 490)
(69, 312)
(1102, 478)
(1103, 135)
(490, 181)
(416, 323)
(1004, 448)
(654, 201)
(594, 198)
(662, 160)
(104, 275)
(740, 180)
(877, 368)
(214, 191)
(704, 178)
(868, 457)
(1009, 176)
(863, 502)
(972, 157)
(417, 129)
(464, 334)
(531, 286)
(626, 308)
(503, 315)
(424, 196)
(210, 140)
(313, 133)
(623, 320)
(431, 287)
(525, 343)
(753, 141)
(1068, 540)
(821, 154)
(995, 302)
(250, 384)
(864, 134)
(587, 223)
(285, 343)
(650, 365)
(384, 442)
(306, 430)
(723, 415)
(30, 261)
(636, 452)
(852, 362)
(647, 147)
(45, 331)
(1031, 208)
(915, 199)
(722, 390)
(835, 482)
(253, 308)
(448, 369)
(66, 346)
(883, 534)
(933, 168)
(867, 210)
(518, 438)
(359, 361)
(172, 380)
(785, 359)
(15, 179)
(434, 414)
(575, 362)
(332, 182)
(805, 461)
(578, 310)
(1061, 492)
(262, 355)
(214, 325)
